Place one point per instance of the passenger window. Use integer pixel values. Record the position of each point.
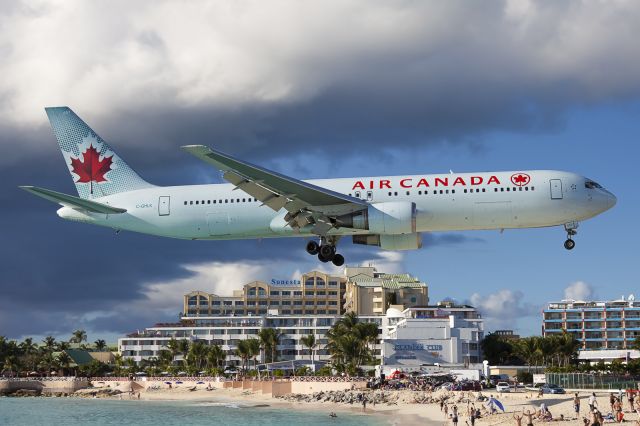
(447, 191)
(495, 189)
(520, 189)
(407, 192)
(191, 202)
(202, 201)
(465, 191)
(453, 191)
(526, 188)
(226, 201)
(441, 191)
(501, 189)
(197, 202)
(532, 188)
(208, 201)
(243, 200)
(419, 192)
(237, 200)
(395, 193)
(214, 201)
(185, 203)
(484, 190)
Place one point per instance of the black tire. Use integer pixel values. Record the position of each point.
(322, 259)
(338, 260)
(327, 251)
(313, 248)
(569, 244)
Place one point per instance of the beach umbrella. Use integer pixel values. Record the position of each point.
(496, 403)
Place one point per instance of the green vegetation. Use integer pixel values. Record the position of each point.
(49, 357)
(349, 343)
(551, 351)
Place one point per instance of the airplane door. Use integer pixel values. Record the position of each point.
(163, 205)
(369, 195)
(556, 189)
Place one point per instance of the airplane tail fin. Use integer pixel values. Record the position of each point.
(96, 169)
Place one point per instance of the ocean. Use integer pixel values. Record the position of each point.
(75, 412)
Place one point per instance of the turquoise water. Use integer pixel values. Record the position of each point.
(75, 412)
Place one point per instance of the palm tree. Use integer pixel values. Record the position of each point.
(310, 343)
(101, 345)
(196, 355)
(118, 364)
(216, 356)
(49, 343)
(183, 347)
(174, 348)
(254, 350)
(243, 351)
(64, 361)
(78, 336)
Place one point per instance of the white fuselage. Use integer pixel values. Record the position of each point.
(456, 201)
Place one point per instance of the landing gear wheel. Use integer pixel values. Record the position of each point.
(338, 260)
(569, 244)
(322, 259)
(313, 248)
(327, 251)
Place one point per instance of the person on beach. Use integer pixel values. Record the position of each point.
(518, 419)
(612, 401)
(576, 405)
(442, 405)
(593, 403)
(630, 398)
(617, 410)
(364, 404)
(446, 411)
(595, 418)
(529, 415)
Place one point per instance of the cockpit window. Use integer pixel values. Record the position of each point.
(589, 184)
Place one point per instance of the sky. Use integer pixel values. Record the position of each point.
(314, 90)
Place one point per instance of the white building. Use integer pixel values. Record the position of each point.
(442, 334)
(227, 331)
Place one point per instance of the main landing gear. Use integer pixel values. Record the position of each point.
(326, 251)
(569, 244)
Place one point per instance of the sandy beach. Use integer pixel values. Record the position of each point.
(407, 407)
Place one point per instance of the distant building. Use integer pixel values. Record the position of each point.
(369, 292)
(507, 334)
(315, 293)
(597, 325)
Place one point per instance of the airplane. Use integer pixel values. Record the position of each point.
(389, 212)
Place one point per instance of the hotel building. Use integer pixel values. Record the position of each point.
(605, 329)
(369, 292)
(310, 305)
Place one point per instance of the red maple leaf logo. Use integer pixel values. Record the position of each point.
(520, 179)
(91, 168)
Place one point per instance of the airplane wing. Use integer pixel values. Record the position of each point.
(305, 202)
(71, 201)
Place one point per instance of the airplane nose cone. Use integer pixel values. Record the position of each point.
(612, 200)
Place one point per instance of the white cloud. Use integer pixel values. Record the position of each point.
(503, 308)
(578, 290)
(230, 54)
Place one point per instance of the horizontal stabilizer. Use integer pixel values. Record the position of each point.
(71, 201)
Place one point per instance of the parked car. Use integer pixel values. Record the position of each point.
(552, 389)
(503, 387)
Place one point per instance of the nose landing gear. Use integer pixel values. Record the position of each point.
(569, 244)
(326, 251)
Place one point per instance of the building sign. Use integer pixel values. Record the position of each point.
(416, 351)
(417, 347)
(275, 281)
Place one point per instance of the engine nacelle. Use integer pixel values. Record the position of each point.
(391, 242)
(394, 217)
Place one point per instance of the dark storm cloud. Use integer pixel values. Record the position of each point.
(265, 82)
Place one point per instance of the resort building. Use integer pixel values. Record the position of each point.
(314, 293)
(441, 334)
(369, 292)
(227, 331)
(613, 324)
(311, 305)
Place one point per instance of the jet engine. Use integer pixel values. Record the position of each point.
(394, 217)
(391, 242)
